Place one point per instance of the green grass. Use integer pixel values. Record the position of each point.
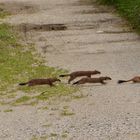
(19, 63)
(22, 99)
(60, 90)
(130, 9)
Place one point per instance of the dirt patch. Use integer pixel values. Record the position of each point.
(18, 7)
(99, 10)
(82, 26)
(83, 2)
(43, 27)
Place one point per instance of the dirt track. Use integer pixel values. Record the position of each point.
(79, 36)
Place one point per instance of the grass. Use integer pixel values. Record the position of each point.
(44, 137)
(3, 13)
(60, 90)
(67, 113)
(130, 9)
(53, 135)
(22, 99)
(80, 96)
(39, 138)
(8, 110)
(19, 63)
(64, 136)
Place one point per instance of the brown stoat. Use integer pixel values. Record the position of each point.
(76, 74)
(92, 80)
(135, 79)
(34, 82)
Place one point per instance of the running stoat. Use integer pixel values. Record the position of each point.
(76, 74)
(135, 79)
(34, 82)
(92, 80)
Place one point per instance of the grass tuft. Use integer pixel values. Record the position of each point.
(3, 13)
(8, 110)
(22, 99)
(67, 113)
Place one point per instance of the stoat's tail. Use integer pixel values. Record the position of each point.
(64, 75)
(22, 84)
(75, 83)
(122, 81)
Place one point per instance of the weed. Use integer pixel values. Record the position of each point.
(67, 113)
(8, 110)
(3, 13)
(22, 99)
(53, 135)
(39, 138)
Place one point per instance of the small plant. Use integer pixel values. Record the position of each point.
(39, 138)
(8, 110)
(64, 136)
(79, 96)
(67, 113)
(22, 99)
(53, 135)
(45, 108)
(46, 125)
(3, 13)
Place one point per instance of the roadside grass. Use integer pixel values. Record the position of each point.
(3, 13)
(59, 90)
(130, 9)
(22, 99)
(19, 63)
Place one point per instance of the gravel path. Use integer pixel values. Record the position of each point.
(79, 36)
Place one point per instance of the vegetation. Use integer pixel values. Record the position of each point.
(67, 113)
(8, 110)
(22, 99)
(19, 63)
(130, 9)
(3, 13)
